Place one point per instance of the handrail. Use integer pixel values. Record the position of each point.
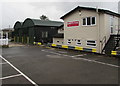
(103, 42)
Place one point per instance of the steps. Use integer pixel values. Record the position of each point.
(112, 44)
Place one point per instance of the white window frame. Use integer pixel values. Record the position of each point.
(68, 41)
(45, 34)
(58, 41)
(90, 21)
(111, 24)
(78, 42)
(91, 43)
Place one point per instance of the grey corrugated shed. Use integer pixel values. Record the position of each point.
(38, 22)
(18, 25)
(46, 23)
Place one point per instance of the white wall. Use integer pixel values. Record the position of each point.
(98, 32)
(61, 41)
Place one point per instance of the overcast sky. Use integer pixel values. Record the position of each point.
(13, 11)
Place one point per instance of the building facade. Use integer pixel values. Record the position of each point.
(89, 27)
(59, 38)
(36, 30)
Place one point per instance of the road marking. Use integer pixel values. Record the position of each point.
(51, 52)
(84, 59)
(98, 62)
(19, 71)
(3, 63)
(61, 52)
(54, 56)
(106, 64)
(76, 55)
(10, 76)
(66, 55)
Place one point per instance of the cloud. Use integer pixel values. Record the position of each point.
(14, 11)
(59, 1)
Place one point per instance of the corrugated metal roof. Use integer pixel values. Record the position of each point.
(46, 23)
(17, 25)
(38, 22)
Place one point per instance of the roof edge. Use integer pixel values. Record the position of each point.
(91, 8)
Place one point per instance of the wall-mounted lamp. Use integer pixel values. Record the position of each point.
(80, 12)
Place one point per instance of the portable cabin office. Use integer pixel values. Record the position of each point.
(91, 28)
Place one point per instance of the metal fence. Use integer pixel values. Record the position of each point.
(3, 38)
(4, 41)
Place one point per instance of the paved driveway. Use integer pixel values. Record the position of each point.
(39, 65)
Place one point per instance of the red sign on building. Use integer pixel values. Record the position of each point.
(73, 23)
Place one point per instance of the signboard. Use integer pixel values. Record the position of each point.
(73, 23)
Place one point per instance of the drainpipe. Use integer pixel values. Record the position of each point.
(98, 26)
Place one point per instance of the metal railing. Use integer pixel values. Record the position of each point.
(4, 41)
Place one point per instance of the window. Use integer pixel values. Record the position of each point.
(91, 43)
(111, 24)
(111, 31)
(44, 34)
(89, 21)
(93, 20)
(78, 42)
(68, 41)
(84, 21)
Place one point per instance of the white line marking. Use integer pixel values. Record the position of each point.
(51, 52)
(3, 63)
(107, 64)
(79, 55)
(61, 52)
(10, 76)
(76, 56)
(65, 55)
(19, 71)
(97, 62)
(85, 59)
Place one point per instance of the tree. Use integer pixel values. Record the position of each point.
(43, 17)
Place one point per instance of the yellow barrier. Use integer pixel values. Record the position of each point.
(64, 46)
(78, 48)
(54, 45)
(39, 43)
(94, 50)
(34, 42)
(114, 52)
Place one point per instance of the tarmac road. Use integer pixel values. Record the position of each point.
(39, 65)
